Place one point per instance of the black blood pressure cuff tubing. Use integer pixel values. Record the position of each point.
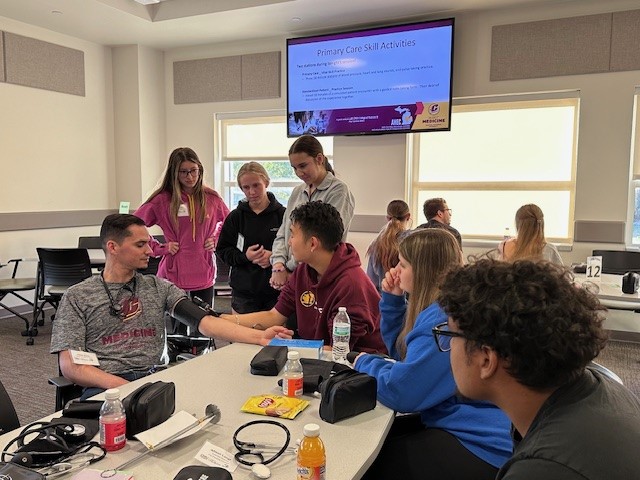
(187, 312)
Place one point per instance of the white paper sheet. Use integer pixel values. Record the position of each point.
(178, 421)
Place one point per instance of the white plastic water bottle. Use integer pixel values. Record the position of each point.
(292, 382)
(113, 422)
(341, 336)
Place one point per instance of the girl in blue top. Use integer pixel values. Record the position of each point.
(452, 437)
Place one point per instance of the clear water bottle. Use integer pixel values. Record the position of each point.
(113, 422)
(340, 336)
(312, 459)
(293, 380)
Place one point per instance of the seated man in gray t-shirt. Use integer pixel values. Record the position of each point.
(119, 314)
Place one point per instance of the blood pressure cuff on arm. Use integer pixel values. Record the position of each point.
(188, 313)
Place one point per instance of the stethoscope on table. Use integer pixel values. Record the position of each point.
(73, 463)
(250, 451)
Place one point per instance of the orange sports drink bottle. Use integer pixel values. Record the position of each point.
(312, 460)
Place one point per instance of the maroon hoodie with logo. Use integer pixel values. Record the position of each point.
(316, 302)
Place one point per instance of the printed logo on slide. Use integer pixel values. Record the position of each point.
(434, 109)
(405, 119)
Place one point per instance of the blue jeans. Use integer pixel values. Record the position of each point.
(130, 376)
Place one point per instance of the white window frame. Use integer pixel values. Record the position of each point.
(222, 121)
(634, 172)
(570, 97)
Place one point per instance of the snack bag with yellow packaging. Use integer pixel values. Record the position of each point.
(274, 405)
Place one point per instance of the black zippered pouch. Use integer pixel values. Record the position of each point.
(269, 360)
(346, 394)
(148, 406)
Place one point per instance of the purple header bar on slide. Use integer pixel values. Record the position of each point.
(373, 31)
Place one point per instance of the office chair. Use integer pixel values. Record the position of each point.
(90, 243)
(58, 269)
(221, 286)
(605, 371)
(66, 390)
(152, 267)
(10, 286)
(8, 416)
(618, 262)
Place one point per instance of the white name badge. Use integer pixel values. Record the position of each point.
(214, 456)
(84, 358)
(594, 268)
(240, 242)
(183, 211)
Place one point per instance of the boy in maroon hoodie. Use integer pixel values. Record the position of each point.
(328, 276)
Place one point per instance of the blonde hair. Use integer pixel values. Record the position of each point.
(255, 168)
(384, 249)
(530, 240)
(431, 252)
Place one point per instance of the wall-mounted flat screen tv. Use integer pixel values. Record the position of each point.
(394, 79)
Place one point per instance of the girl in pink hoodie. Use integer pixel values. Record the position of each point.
(190, 215)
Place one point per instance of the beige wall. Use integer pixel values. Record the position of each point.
(374, 166)
(56, 150)
(52, 143)
(75, 147)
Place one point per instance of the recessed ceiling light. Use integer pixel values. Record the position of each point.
(56, 12)
(296, 19)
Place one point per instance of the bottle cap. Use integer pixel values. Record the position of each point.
(112, 394)
(311, 430)
(342, 309)
(293, 355)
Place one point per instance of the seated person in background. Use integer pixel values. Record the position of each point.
(246, 241)
(438, 215)
(119, 314)
(383, 251)
(522, 336)
(530, 242)
(452, 437)
(329, 276)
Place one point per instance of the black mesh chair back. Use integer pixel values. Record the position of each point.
(90, 243)
(63, 267)
(58, 269)
(618, 262)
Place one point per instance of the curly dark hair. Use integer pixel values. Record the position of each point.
(320, 220)
(531, 314)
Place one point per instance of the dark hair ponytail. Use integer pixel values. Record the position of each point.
(311, 146)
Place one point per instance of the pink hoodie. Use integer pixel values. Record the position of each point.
(193, 267)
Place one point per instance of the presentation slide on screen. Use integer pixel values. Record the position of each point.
(399, 80)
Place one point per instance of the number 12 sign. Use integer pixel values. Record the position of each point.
(594, 268)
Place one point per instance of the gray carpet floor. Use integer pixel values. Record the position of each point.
(24, 370)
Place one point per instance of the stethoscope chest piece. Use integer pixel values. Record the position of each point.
(260, 470)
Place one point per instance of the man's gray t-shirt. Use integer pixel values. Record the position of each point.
(83, 322)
